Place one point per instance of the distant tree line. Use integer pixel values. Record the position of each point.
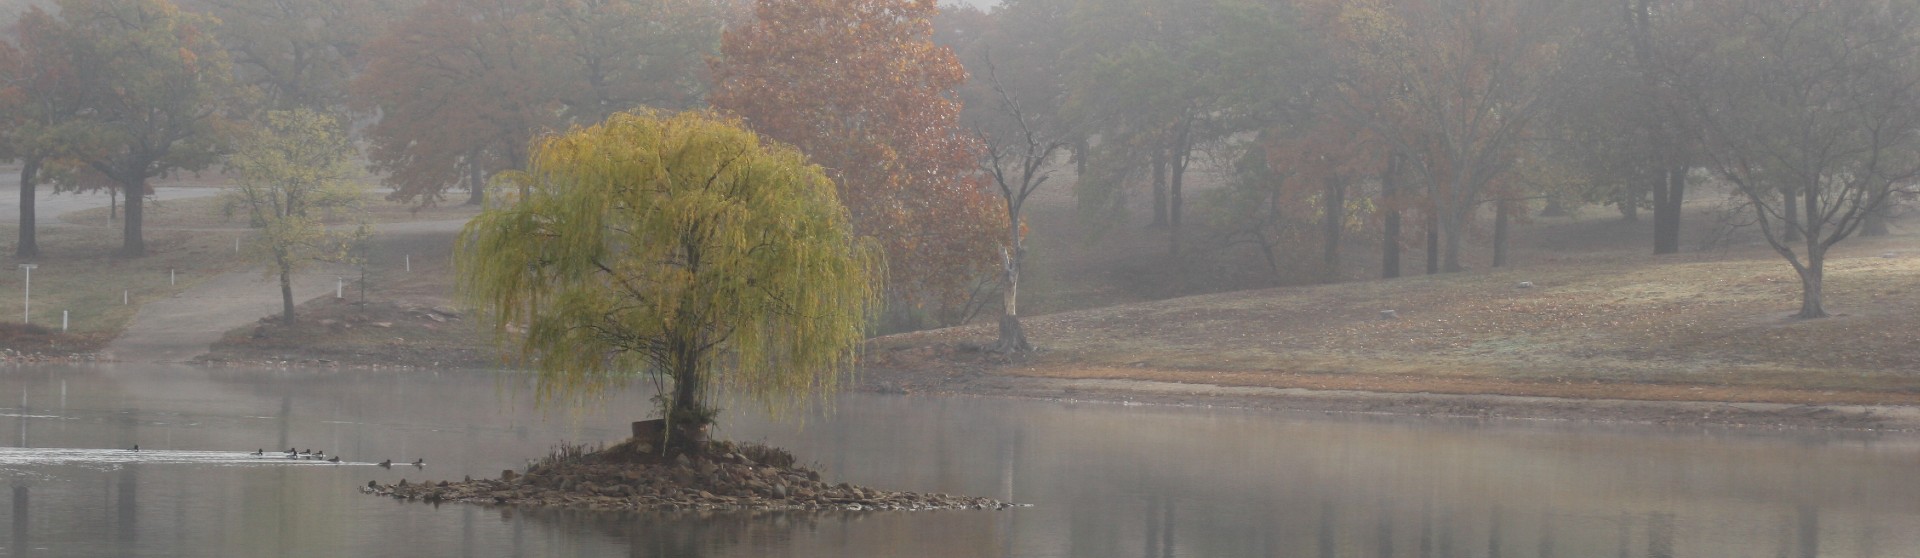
(1409, 120)
(1418, 119)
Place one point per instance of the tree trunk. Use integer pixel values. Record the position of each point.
(476, 183)
(1176, 200)
(1159, 188)
(1390, 246)
(1451, 259)
(1080, 151)
(1669, 196)
(1390, 225)
(1811, 303)
(1176, 191)
(29, 178)
(1013, 337)
(1433, 245)
(286, 289)
(1500, 224)
(1792, 232)
(113, 205)
(1334, 211)
(687, 419)
(133, 245)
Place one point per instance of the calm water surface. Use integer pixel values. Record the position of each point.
(1104, 480)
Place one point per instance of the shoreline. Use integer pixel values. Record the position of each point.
(993, 382)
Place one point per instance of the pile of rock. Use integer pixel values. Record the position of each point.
(722, 481)
(22, 357)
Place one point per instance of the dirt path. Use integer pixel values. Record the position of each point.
(181, 327)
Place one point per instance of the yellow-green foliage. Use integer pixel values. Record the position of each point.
(677, 247)
(292, 170)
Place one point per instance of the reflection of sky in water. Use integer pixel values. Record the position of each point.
(1105, 479)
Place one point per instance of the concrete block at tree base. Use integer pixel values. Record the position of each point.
(650, 432)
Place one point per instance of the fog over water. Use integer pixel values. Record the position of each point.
(1103, 479)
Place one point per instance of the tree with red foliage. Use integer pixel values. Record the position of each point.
(860, 87)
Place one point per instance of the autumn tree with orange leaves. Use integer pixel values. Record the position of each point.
(860, 87)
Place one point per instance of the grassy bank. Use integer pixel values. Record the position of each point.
(79, 273)
(1692, 327)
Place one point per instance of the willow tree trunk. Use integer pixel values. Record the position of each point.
(687, 419)
(29, 177)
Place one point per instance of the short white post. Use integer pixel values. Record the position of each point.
(171, 279)
(63, 320)
(26, 315)
(339, 287)
(124, 300)
(409, 258)
(236, 245)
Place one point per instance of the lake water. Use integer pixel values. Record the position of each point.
(1104, 480)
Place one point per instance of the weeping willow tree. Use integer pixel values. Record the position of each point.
(679, 249)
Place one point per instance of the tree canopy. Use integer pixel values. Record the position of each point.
(859, 86)
(679, 248)
(462, 86)
(152, 86)
(293, 171)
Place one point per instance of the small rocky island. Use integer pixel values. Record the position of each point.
(631, 476)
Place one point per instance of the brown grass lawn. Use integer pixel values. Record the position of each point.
(1698, 326)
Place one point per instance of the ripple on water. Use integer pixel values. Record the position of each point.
(17, 457)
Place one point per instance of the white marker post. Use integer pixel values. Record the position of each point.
(63, 320)
(170, 277)
(124, 299)
(409, 263)
(339, 287)
(26, 315)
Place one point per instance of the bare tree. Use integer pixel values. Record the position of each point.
(1811, 107)
(1018, 150)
